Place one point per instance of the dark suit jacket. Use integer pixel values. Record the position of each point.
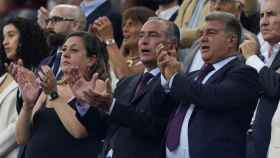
(223, 109)
(106, 9)
(138, 125)
(270, 84)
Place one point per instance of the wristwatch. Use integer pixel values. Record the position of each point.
(110, 42)
(53, 95)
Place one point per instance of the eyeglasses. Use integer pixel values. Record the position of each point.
(56, 19)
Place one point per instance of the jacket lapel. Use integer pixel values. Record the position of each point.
(217, 74)
(146, 89)
(276, 62)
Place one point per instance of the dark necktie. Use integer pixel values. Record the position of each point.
(175, 125)
(142, 83)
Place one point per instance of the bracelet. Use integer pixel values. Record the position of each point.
(110, 42)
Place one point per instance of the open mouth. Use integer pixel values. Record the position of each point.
(205, 48)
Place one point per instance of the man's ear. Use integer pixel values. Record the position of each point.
(232, 41)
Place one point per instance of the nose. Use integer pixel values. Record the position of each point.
(264, 21)
(50, 26)
(217, 6)
(5, 42)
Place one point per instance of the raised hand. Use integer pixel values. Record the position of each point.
(27, 82)
(249, 47)
(47, 79)
(79, 84)
(167, 60)
(103, 28)
(42, 16)
(94, 92)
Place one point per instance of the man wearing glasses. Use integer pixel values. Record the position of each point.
(63, 19)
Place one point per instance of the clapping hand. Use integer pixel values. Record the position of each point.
(47, 79)
(27, 82)
(167, 60)
(94, 92)
(249, 47)
(103, 28)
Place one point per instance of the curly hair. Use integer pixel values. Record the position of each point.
(32, 46)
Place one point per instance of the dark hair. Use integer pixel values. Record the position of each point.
(139, 14)
(232, 24)
(32, 42)
(94, 47)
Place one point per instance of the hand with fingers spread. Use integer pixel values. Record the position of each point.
(27, 82)
(167, 60)
(94, 92)
(249, 47)
(103, 28)
(47, 79)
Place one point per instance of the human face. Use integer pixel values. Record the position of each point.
(270, 21)
(58, 22)
(131, 31)
(74, 54)
(11, 41)
(151, 35)
(214, 42)
(223, 5)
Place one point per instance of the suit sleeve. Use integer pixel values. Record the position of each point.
(143, 122)
(270, 82)
(239, 87)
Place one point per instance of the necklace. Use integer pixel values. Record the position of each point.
(132, 60)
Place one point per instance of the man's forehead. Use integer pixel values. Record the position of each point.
(153, 25)
(271, 5)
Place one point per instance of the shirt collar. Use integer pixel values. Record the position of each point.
(154, 71)
(91, 6)
(166, 14)
(218, 65)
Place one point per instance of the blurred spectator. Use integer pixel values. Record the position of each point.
(94, 9)
(167, 9)
(125, 4)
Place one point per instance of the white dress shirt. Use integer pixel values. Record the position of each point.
(183, 149)
(166, 14)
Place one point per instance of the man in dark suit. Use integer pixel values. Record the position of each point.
(269, 79)
(217, 102)
(139, 110)
(94, 9)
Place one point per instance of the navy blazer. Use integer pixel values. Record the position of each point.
(138, 124)
(223, 109)
(270, 84)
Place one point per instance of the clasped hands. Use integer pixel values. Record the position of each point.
(167, 60)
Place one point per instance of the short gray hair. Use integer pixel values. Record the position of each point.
(232, 24)
(172, 31)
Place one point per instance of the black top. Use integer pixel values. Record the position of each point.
(50, 139)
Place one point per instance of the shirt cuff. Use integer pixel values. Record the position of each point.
(255, 62)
